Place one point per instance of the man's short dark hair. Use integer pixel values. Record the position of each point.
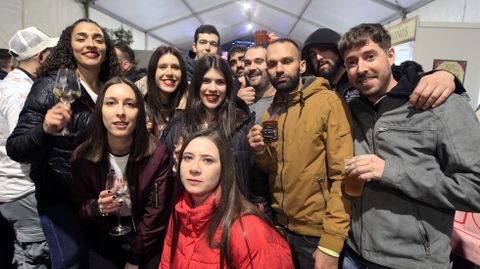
(127, 52)
(287, 40)
(206, 29)
(361, 34)
(257, 46)
(5, 58)
(236, 49)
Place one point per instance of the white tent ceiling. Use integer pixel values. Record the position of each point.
(173, 22)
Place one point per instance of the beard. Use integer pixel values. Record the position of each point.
(240, 72)
(258, 84)
(286, 86)
(330, 73)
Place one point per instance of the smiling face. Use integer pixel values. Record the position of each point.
(256, 68)
(200, 169)
(168, 74)
(213, 90)
(119, 112)
(369, 69)
(284, 66)
(88, 45)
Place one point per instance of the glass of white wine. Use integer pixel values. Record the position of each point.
(66, 89)
(114, 185)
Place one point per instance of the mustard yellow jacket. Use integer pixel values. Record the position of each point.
(306, 164)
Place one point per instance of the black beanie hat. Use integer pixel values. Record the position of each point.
(322, 37)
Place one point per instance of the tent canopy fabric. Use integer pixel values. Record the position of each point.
(173, 22)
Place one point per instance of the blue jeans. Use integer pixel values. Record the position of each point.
(352, 260)
(65, 235)
(303, 247)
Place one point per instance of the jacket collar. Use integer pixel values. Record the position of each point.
(311, 85)
(196, 219)
(408, 77)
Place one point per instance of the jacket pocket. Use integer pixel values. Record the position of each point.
(396, 137)
(422, 231)
(407, 130)
(324, 189)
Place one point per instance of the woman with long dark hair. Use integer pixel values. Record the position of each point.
(211, 103)
(119, 144)
(213, 225)
(166, 87)
(86, 48)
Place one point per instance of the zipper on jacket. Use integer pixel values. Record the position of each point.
(283, 162)
(424, 237)
(399, 129)
(374, 120)
(155, 189)
(374, 146)
(133, 224)
(423, 232)
(322, 190)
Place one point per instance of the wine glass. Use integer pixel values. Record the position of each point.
(66, 89)
(114, 184)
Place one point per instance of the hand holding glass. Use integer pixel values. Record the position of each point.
(118, 194)
(66, 89)
(353, 186)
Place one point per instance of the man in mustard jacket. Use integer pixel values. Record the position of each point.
(307, 136)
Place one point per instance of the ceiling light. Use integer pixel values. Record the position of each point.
(249, 26)
(246, 6)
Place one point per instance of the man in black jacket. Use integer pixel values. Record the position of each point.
(126, 60)
(323, 60)
(206, 41)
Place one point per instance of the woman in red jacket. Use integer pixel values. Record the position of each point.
(213, 225)
(119, 144)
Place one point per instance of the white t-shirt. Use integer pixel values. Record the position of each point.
(15, 181)
(89, 90)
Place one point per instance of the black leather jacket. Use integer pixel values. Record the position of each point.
(48, 155)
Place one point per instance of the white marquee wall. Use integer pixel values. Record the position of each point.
(52, 16)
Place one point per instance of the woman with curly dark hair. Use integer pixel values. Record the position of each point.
(85, 47)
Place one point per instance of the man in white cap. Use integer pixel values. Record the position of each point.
(30, 47)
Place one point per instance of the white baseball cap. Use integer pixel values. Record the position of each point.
(30, 41)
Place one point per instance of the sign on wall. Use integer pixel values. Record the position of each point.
(456, 67)
(403, 32)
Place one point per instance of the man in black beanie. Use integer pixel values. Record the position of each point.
(321, 54)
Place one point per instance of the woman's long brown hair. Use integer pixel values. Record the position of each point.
(232, 204)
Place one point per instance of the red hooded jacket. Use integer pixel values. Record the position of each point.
(268, 249)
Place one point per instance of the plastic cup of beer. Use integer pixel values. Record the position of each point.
(353, 186)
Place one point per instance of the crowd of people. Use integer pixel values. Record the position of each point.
(326, 156)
